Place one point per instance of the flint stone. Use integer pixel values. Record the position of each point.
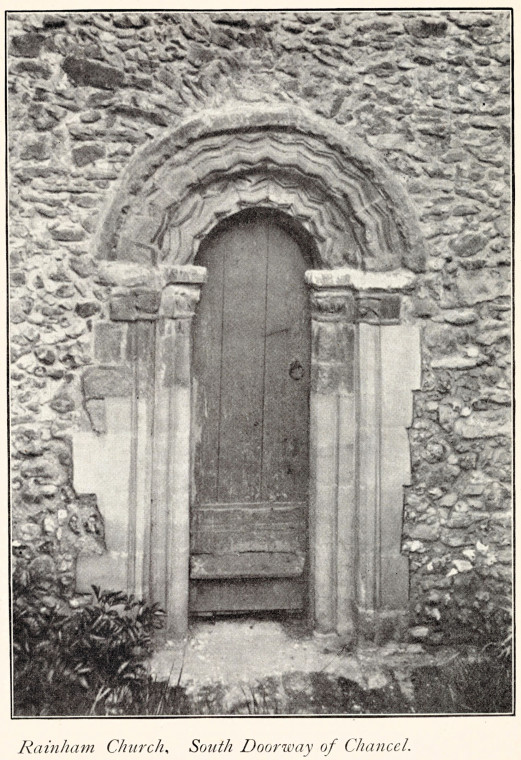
(62, 403)
(488, 337)
(68, 234)
(485, 424)
(424, 532)
(45, 355)
(154, 117)
(456, 537)
(87, 154)
(87, 309)
(448, 500)
(27, 45)
(89, 117)
(468, 245)
(427, 27)
(82, 266)
(419, 632)
(460, 520)
(52, 21)
(36, 151)
(32, 67)
(477, 287)
(460, 316)
(87, 73)
(130, 20)
(484, 122)
(458, 362)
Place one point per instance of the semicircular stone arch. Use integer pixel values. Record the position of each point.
(216, 165)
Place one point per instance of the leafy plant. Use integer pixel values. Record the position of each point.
(91, 660)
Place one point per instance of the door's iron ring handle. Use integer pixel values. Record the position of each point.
(296, 370)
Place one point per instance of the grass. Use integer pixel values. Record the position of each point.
(463, 687)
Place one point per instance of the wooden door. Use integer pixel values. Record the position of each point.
(251, 376)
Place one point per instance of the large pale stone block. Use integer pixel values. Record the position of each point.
(401, 372)
(102, 466)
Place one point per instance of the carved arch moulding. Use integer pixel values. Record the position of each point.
(135, 453)
(181, 185)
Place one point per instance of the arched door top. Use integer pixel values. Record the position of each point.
(214, 165)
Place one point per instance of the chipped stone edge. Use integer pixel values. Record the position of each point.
(348, 277)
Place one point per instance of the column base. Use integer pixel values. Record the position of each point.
(381, 626)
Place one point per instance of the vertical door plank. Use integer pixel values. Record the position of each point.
(244, 319)
(287, 366)
(207, 373)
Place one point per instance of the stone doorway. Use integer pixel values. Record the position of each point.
(364, 360)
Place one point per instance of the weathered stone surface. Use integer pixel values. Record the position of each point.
(486, 424)
(125, 274)
(475, 287)
(89, 73)
(460, 316)
(67, 234)
(87, 154)
(103, 382)
(62, 403)
(37, 69)
(148, 302)
(468, 245)
(27, 45)
(123, 308)
(108, 341)
(87, 309)
(428, 27)
(96, 411)
(38, 151)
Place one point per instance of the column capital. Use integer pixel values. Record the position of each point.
(179, 301)
(329, 304)
(170, 291)
(331, 298)
(378, 307)
(357, 296)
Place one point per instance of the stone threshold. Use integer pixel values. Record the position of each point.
(238, 656)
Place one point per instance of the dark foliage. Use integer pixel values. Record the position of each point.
(481, 686)
(89, 661)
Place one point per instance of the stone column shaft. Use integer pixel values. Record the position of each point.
(170, 523)
(365, 365)
(332, 436)
(388, 370)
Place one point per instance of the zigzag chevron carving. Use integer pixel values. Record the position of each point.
(341, 201)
